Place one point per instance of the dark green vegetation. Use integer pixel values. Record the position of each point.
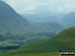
(23, 39)
(65, 41)
(40, 54)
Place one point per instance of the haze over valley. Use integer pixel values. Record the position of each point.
(40, 27)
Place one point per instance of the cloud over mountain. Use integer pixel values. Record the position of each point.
(56, 6)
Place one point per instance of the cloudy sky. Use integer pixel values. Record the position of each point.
(37, 6)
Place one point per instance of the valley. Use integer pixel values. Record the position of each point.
(38, 34)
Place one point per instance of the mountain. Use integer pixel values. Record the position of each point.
(11, 21)
(41, 17)
(69, 20)
(49, 26)
(65, 41)
(14, 29)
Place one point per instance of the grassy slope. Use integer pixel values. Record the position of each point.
(63, 41)
(43, 54)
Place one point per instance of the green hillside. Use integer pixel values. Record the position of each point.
(42, 54)
(65, 41)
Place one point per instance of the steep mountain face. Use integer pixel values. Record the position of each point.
(10, 21)
(65, 41)
(69, 20)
